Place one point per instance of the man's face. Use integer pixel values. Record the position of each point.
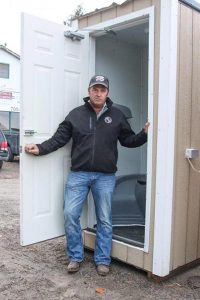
(98, 94)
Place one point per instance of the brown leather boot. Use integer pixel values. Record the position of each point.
(102, 270)
(73, 266)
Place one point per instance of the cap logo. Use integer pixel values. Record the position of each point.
(108, 119)
(100, 78)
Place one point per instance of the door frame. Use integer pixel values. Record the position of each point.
(167, 95)
(125, 21)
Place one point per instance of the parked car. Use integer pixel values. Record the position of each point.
(3, 148)
(13, 144)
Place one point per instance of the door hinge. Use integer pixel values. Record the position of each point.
(74, 36)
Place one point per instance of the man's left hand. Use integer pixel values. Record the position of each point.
(146, 126)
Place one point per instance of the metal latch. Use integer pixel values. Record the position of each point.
(74, 36)
(29, 132)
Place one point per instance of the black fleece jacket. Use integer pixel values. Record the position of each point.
(94, 141)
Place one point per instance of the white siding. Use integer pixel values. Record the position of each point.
(11, 84)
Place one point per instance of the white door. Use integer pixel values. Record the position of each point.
(54, 79)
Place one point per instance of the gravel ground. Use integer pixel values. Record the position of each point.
(39, 271)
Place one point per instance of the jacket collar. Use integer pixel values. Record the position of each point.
(108, 101)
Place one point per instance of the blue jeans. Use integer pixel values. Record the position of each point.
(76, 191)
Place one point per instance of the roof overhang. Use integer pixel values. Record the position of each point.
(4, 48)
(191, 3)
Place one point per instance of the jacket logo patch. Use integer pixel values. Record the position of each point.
(108, 119)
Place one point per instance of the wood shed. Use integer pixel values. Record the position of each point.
(150, 50)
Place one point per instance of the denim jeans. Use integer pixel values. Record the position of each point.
(76, 190)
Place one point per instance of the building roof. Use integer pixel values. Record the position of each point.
(97, 10)
(2, 47)
(191, 3)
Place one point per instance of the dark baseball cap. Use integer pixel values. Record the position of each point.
(99, 79)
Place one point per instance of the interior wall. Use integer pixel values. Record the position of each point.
(125, 66)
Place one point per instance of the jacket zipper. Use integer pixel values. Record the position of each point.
(90, 123)
(94, 132)
(93, 147)
(94, 141)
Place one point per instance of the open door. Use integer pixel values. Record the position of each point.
(54, 74)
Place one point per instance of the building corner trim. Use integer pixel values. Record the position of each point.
(165, 137)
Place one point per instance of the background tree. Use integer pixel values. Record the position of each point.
(79, 11)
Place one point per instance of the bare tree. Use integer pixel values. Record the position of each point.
(79, 11)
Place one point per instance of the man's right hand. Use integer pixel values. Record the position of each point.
(32, 149)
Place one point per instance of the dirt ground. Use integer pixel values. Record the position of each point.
(39, 271)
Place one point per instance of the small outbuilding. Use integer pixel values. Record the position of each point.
(150, 50)
(9, 89)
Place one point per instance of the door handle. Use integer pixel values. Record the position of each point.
(29, 132)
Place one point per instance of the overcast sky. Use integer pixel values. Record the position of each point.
(53, 10)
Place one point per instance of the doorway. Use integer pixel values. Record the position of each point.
(123, 56)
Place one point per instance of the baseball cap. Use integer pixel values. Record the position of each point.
(99, 79)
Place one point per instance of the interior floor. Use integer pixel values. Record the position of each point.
(133, 235)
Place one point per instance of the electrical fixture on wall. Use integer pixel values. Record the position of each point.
(191, 153)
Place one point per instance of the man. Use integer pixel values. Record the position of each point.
(95, 129)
